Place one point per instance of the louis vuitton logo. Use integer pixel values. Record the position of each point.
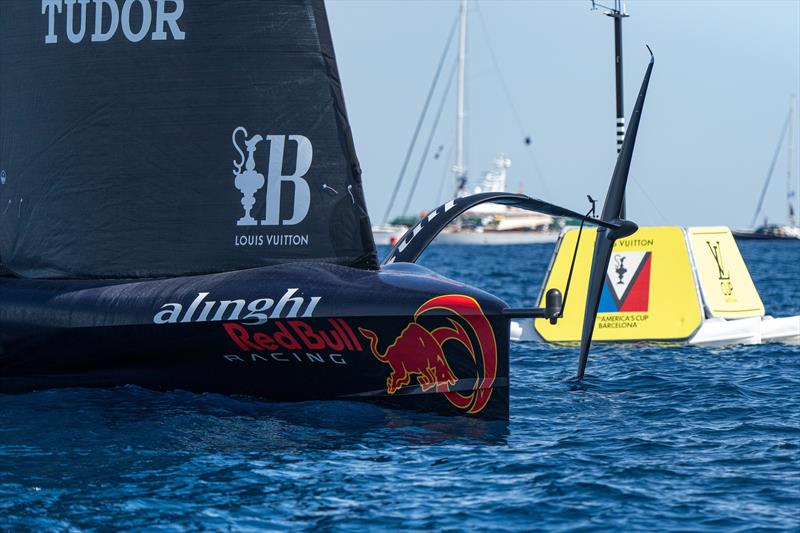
(716, 252)
(723, 274)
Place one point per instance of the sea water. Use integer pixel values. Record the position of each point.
(656, 438)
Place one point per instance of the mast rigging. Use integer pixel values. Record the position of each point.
(459, 169)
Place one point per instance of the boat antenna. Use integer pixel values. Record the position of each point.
(790, 190)
(594, 205)
(618, 12)
(771, 168)
(612, 207)
(419, 123)
(459, 168)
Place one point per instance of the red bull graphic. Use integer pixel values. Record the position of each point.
(420, 352)
(627, 287)
(297, 336)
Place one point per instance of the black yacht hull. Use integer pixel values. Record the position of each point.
(402, 337)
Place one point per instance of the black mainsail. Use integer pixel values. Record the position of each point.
(157, 138)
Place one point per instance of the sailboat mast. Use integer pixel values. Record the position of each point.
(618, 13)
(459, 169)
(791, 192)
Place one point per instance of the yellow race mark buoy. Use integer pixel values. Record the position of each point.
(650, 290)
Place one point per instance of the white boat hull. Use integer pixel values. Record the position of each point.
(753, 330)
(387, 235)
(712, 332)
(496, 237)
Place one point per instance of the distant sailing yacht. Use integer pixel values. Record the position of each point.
(487, 223)
(500, 224)
(791, 230)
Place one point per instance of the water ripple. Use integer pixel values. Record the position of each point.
(656, 438)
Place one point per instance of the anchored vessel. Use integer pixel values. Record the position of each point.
(187, 212)
(664, 284)
(500, 224)
(790, 230)
(667, 284)
(484, 224)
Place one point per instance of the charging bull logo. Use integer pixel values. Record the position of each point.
(420, 352)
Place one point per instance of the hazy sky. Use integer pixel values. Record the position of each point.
(717, 100)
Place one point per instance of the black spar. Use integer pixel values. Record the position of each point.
(612, 208)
